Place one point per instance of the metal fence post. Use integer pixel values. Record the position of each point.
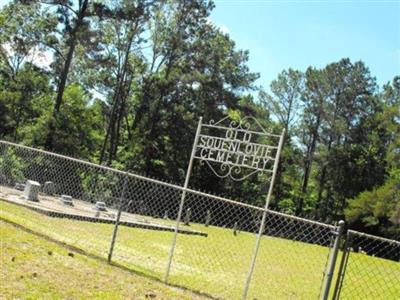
(114, 235)
(4, 160)
(342, 267)
(264, 218)
(178, 218)
(332, 261)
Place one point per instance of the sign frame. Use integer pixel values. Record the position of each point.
(229, 167)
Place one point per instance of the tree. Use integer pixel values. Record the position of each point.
(19, 97)
(72, 15)
(350, 109)
(27, 32)
(78, 127)
(120, 50)
(377, 211)
(285, 105)
(285, 101)
(311, 121)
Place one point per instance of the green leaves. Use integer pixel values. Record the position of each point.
(378, 210)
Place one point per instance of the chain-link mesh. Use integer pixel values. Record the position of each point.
(67, 193)
(154, 205)
(80, 203)
(222, 258)
(292, 259)
(370, 268)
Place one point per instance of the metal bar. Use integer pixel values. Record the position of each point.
(373, 237)
(93, 165)
(342, 268)
(218, 198)
(174, 186)
(178, 218)
(115, 231)
(264, 218)
(238, 141)
(232, 164)
(3, 169)
(300, 219)
(332, 261)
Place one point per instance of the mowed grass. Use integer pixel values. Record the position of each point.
(35, 268)
(371, 278)
(216, 265)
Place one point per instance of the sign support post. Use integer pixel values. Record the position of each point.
(178, 219)
(264, 218)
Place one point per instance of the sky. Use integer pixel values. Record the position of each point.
(282, 34)
(298, 34)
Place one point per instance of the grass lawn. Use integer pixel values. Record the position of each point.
(217, 264)
(35, 268)
(371, 278)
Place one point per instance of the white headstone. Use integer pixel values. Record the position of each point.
(31, 191)
(187, 216)
(208, 218)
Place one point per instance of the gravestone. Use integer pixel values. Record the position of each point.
(186, 220)
(67, 200)
(20, 186)
(235, 229)
(49, 188)
(208, 218)
(31, 191)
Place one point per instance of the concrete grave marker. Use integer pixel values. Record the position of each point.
(208, 218)
(49, 188)
(67, 200)
(235, 229)
(187, 216)
(31, 191)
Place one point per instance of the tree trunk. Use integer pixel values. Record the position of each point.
(72, 44)
(308, 165)
(117, 113)
(64, 74)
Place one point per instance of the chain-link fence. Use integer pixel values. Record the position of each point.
(370, 268)
(134, 221)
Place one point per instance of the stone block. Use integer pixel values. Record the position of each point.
(67, 200)
(31, 191)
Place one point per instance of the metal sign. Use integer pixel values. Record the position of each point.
(236, 150)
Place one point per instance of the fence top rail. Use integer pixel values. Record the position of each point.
(301, 219)
(92, 164)
(214, 197)
(370, 236)
(260, 209)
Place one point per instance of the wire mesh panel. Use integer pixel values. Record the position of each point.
(292, 258)
(131, 219)
(371, 269)
(65, 199)
(144, 239)
(217, 262)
